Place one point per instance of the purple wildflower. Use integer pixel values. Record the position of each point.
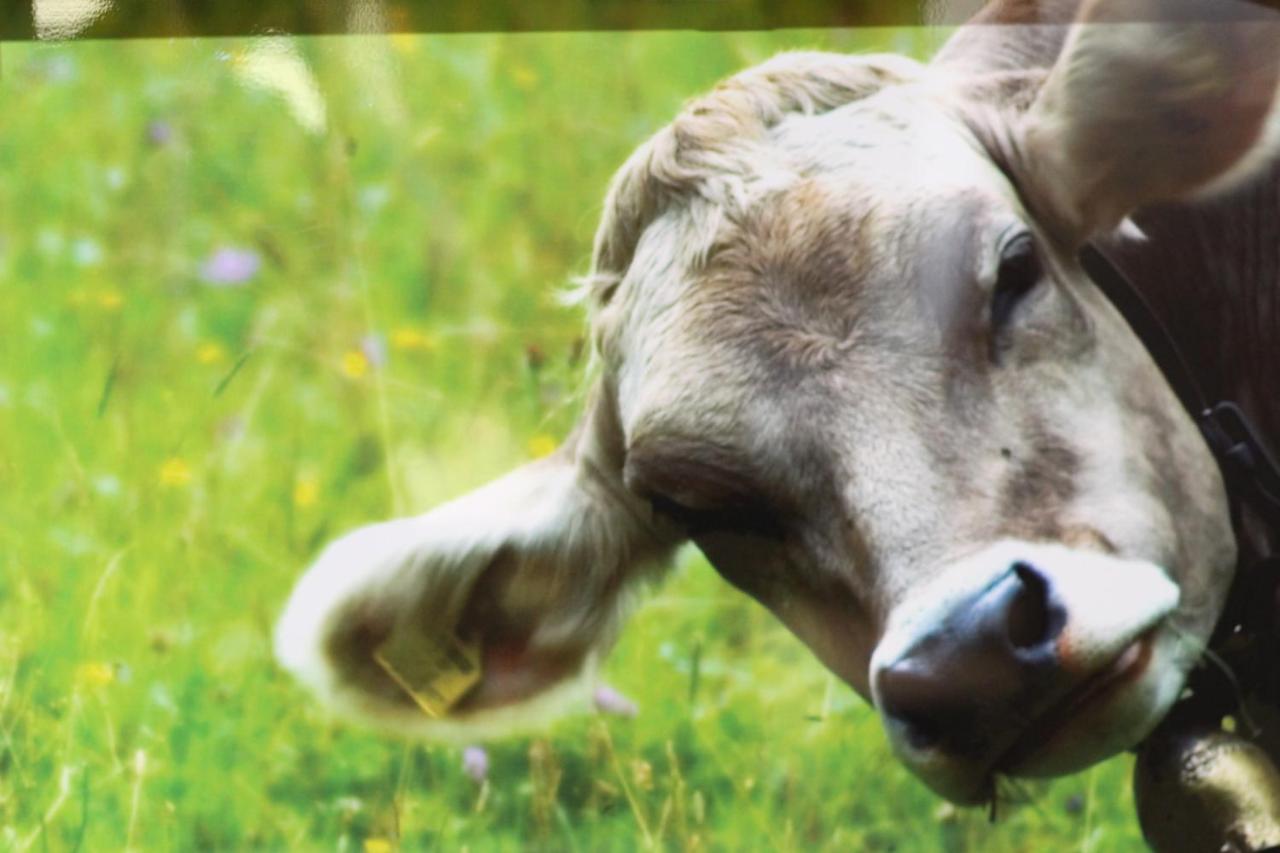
(610, 701)
(159, 133)
(230, 267)
(475, 763)
(374, 348)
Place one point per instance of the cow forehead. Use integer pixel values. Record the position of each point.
(914, 137)
(868, 246)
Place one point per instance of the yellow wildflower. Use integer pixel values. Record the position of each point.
(175, 472)
(96, 674)
(403, 42)
(211, 352)
(524, 77)
(409, 339)
(305, 492)
(109, 299)
(354, 364)
(541, 445)
(378, 845)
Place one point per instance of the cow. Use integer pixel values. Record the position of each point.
(844, 344)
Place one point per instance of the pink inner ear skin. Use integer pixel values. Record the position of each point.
(511, 674)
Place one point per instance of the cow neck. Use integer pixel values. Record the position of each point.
(1249, 469)
(1246, 636)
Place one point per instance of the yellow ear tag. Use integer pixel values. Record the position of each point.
(435, 669)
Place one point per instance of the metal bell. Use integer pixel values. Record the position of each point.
(1205, 790)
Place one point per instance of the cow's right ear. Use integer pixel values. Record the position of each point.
(477, 608)
(1150, 100)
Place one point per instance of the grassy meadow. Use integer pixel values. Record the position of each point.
(256, 292)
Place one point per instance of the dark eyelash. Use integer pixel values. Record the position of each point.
(745, 519)
(676, 511)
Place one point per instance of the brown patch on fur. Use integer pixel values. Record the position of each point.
(1087, 538)
(1042, 484)
(787, 284)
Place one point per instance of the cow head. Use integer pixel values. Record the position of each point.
(845, 347)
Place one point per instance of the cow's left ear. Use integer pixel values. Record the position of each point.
(1150, 100)
(465, 613)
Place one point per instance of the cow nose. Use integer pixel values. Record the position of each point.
(989, 664)
(988, 656)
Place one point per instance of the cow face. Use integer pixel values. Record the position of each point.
(846, 349)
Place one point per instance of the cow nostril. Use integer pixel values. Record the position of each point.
(922, 732)
(1029, 620)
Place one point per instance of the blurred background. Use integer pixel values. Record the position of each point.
(257, 291)
(25, 19)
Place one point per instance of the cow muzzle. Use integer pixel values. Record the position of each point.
(1028, 660)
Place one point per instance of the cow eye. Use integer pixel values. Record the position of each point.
(691, 518)
(701, 486)
(744, 517)
(1020, 270)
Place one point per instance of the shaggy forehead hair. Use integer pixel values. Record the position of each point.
(712, 156)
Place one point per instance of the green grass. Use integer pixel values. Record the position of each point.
(172, 455)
